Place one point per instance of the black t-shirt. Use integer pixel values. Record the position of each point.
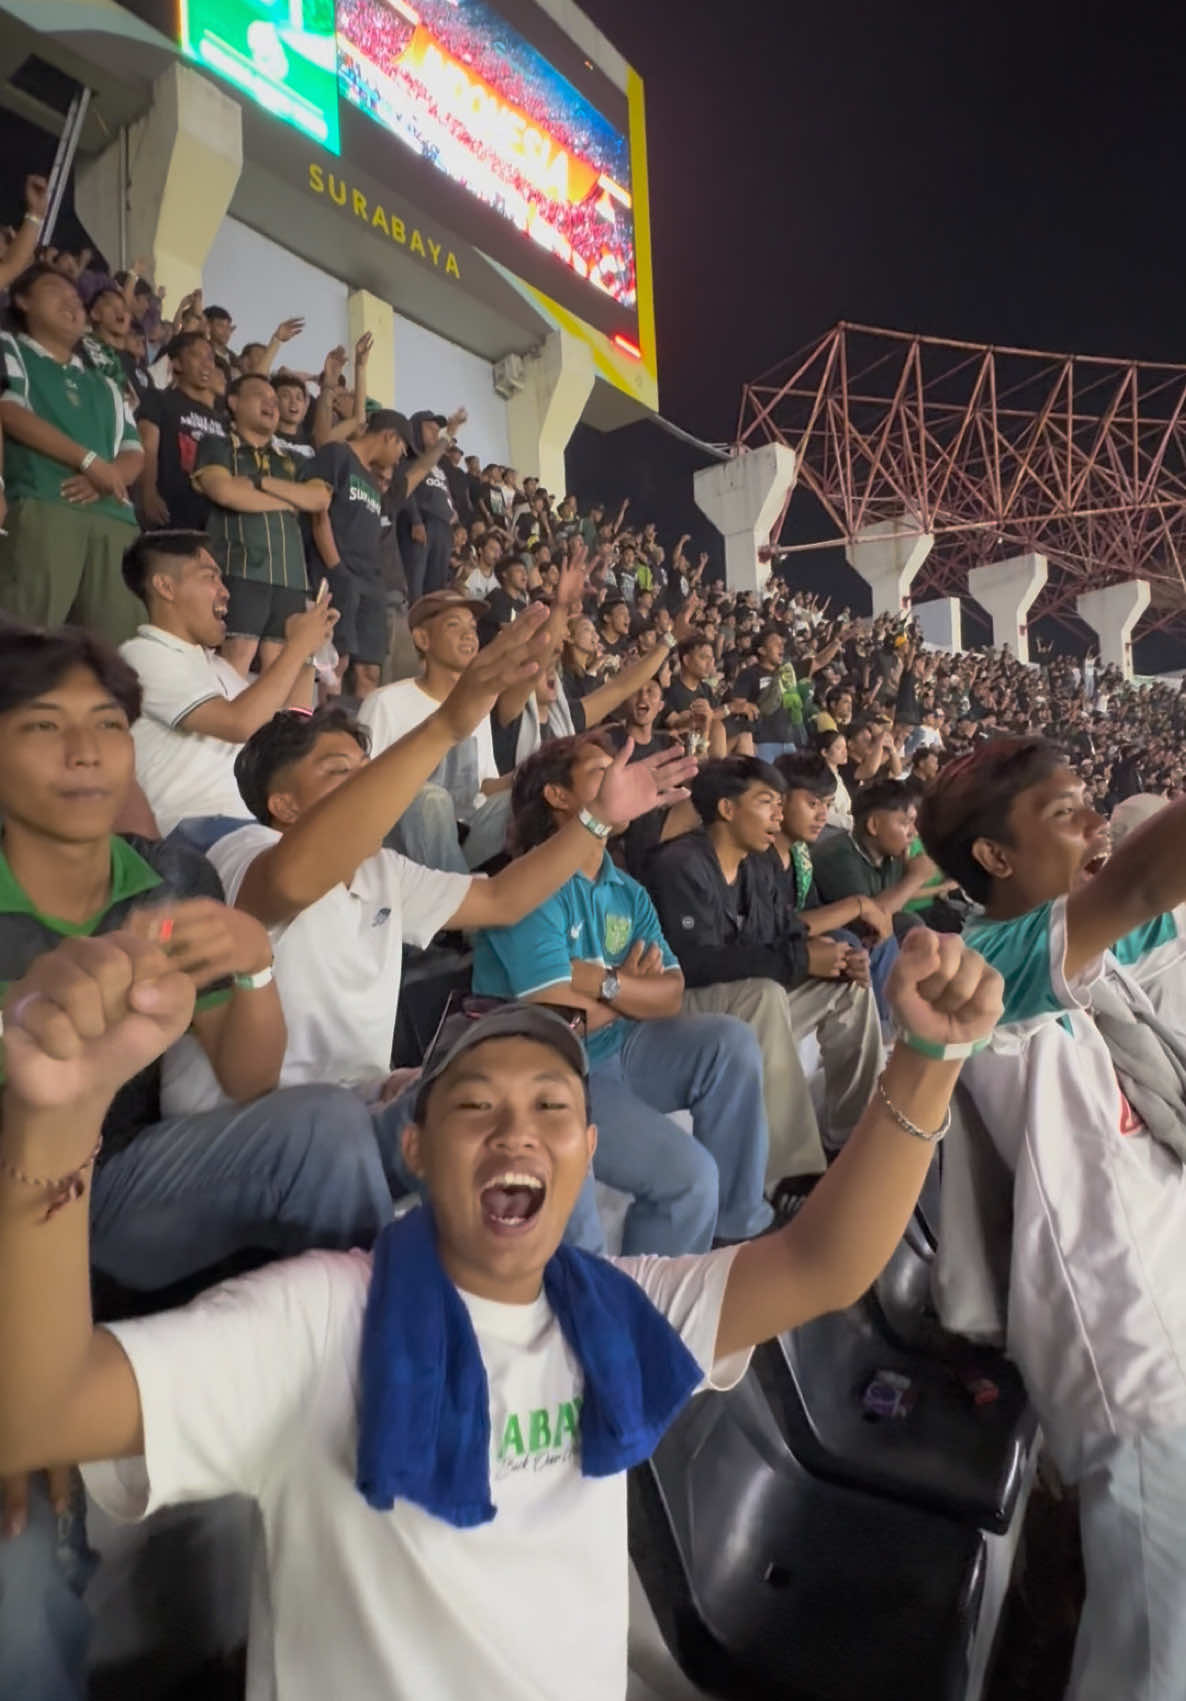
(578, 685)
(642, 837)
(182, 423)
(680, 697)
(298, 443)
(502, 607)
(355, 510)
(777, 728)
(458, 481)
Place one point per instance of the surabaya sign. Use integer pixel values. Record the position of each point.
(382, 221)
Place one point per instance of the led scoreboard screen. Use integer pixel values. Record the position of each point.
(451, 104)
(457, 84)
(281, 53)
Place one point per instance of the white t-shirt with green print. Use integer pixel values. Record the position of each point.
(253, 1389)
(1097, 1297)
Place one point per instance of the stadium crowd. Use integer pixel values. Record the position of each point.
(592, 235)
(296, 699)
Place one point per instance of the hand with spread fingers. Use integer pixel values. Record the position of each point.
(516, 654)
(630, 789)
(942, 992)
(88, 1016)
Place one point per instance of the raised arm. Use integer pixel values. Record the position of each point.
(285, 331)
(627, 790)
(1144, 879)
(84, 1019)
(23, 247)
(418, 470)
(945, 996)
(236, 718)
(327, 844)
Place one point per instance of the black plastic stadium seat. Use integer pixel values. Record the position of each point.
(771, 1585)
(428, 979)
(947, 1453)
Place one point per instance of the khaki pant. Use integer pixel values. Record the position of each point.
(60, 564)
(844, 1019)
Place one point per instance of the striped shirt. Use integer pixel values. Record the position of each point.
(268, 548)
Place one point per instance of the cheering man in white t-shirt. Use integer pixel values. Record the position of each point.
(339, 906)
(198, 710)
(483, 1551)
(466, 788)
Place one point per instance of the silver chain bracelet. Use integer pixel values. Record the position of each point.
(904, 1122)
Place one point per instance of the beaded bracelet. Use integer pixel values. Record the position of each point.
(904, 1122)
(65, 1189)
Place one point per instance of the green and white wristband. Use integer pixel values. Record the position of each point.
(942, 1053)
(255, 982)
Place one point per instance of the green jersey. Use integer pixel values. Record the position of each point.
(89, 408)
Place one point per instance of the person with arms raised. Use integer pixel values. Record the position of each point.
(429, 1538)
(313, 869)
(1082, 1094)
(169, 1196)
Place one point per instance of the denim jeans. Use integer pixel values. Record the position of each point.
(427, 832)
(44, 1623)
(685, 1190)
(584, 1225)
(294, 1170)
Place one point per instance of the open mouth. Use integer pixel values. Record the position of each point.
(511, 1201)
(1093, 864)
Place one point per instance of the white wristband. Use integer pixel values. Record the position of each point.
(88, 460)
(254, 983)
(591, 824)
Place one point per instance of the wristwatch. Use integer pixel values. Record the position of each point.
(611, 986)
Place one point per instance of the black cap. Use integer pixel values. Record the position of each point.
(462, 1032)
(387, 419)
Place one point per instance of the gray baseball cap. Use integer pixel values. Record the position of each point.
(473, 1025)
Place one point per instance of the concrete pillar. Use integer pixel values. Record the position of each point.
(1007, 590)
(1112, 614)
(365, 312)
(743, 497)
(184, 160)
(941, 622)
(888, 556)
(548, 409)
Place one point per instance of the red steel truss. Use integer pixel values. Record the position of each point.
(995, 451)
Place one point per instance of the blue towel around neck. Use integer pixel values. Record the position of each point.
(424, 1426)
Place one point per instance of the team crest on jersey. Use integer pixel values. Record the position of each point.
(617, 933)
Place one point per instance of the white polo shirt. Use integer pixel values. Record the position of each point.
(337, 968)
(397, 709)
(254, 1389)
(182, 773)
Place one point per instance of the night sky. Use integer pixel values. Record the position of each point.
(1005, 174)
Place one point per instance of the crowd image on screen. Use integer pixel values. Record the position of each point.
(594, 236)
(443, 924)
